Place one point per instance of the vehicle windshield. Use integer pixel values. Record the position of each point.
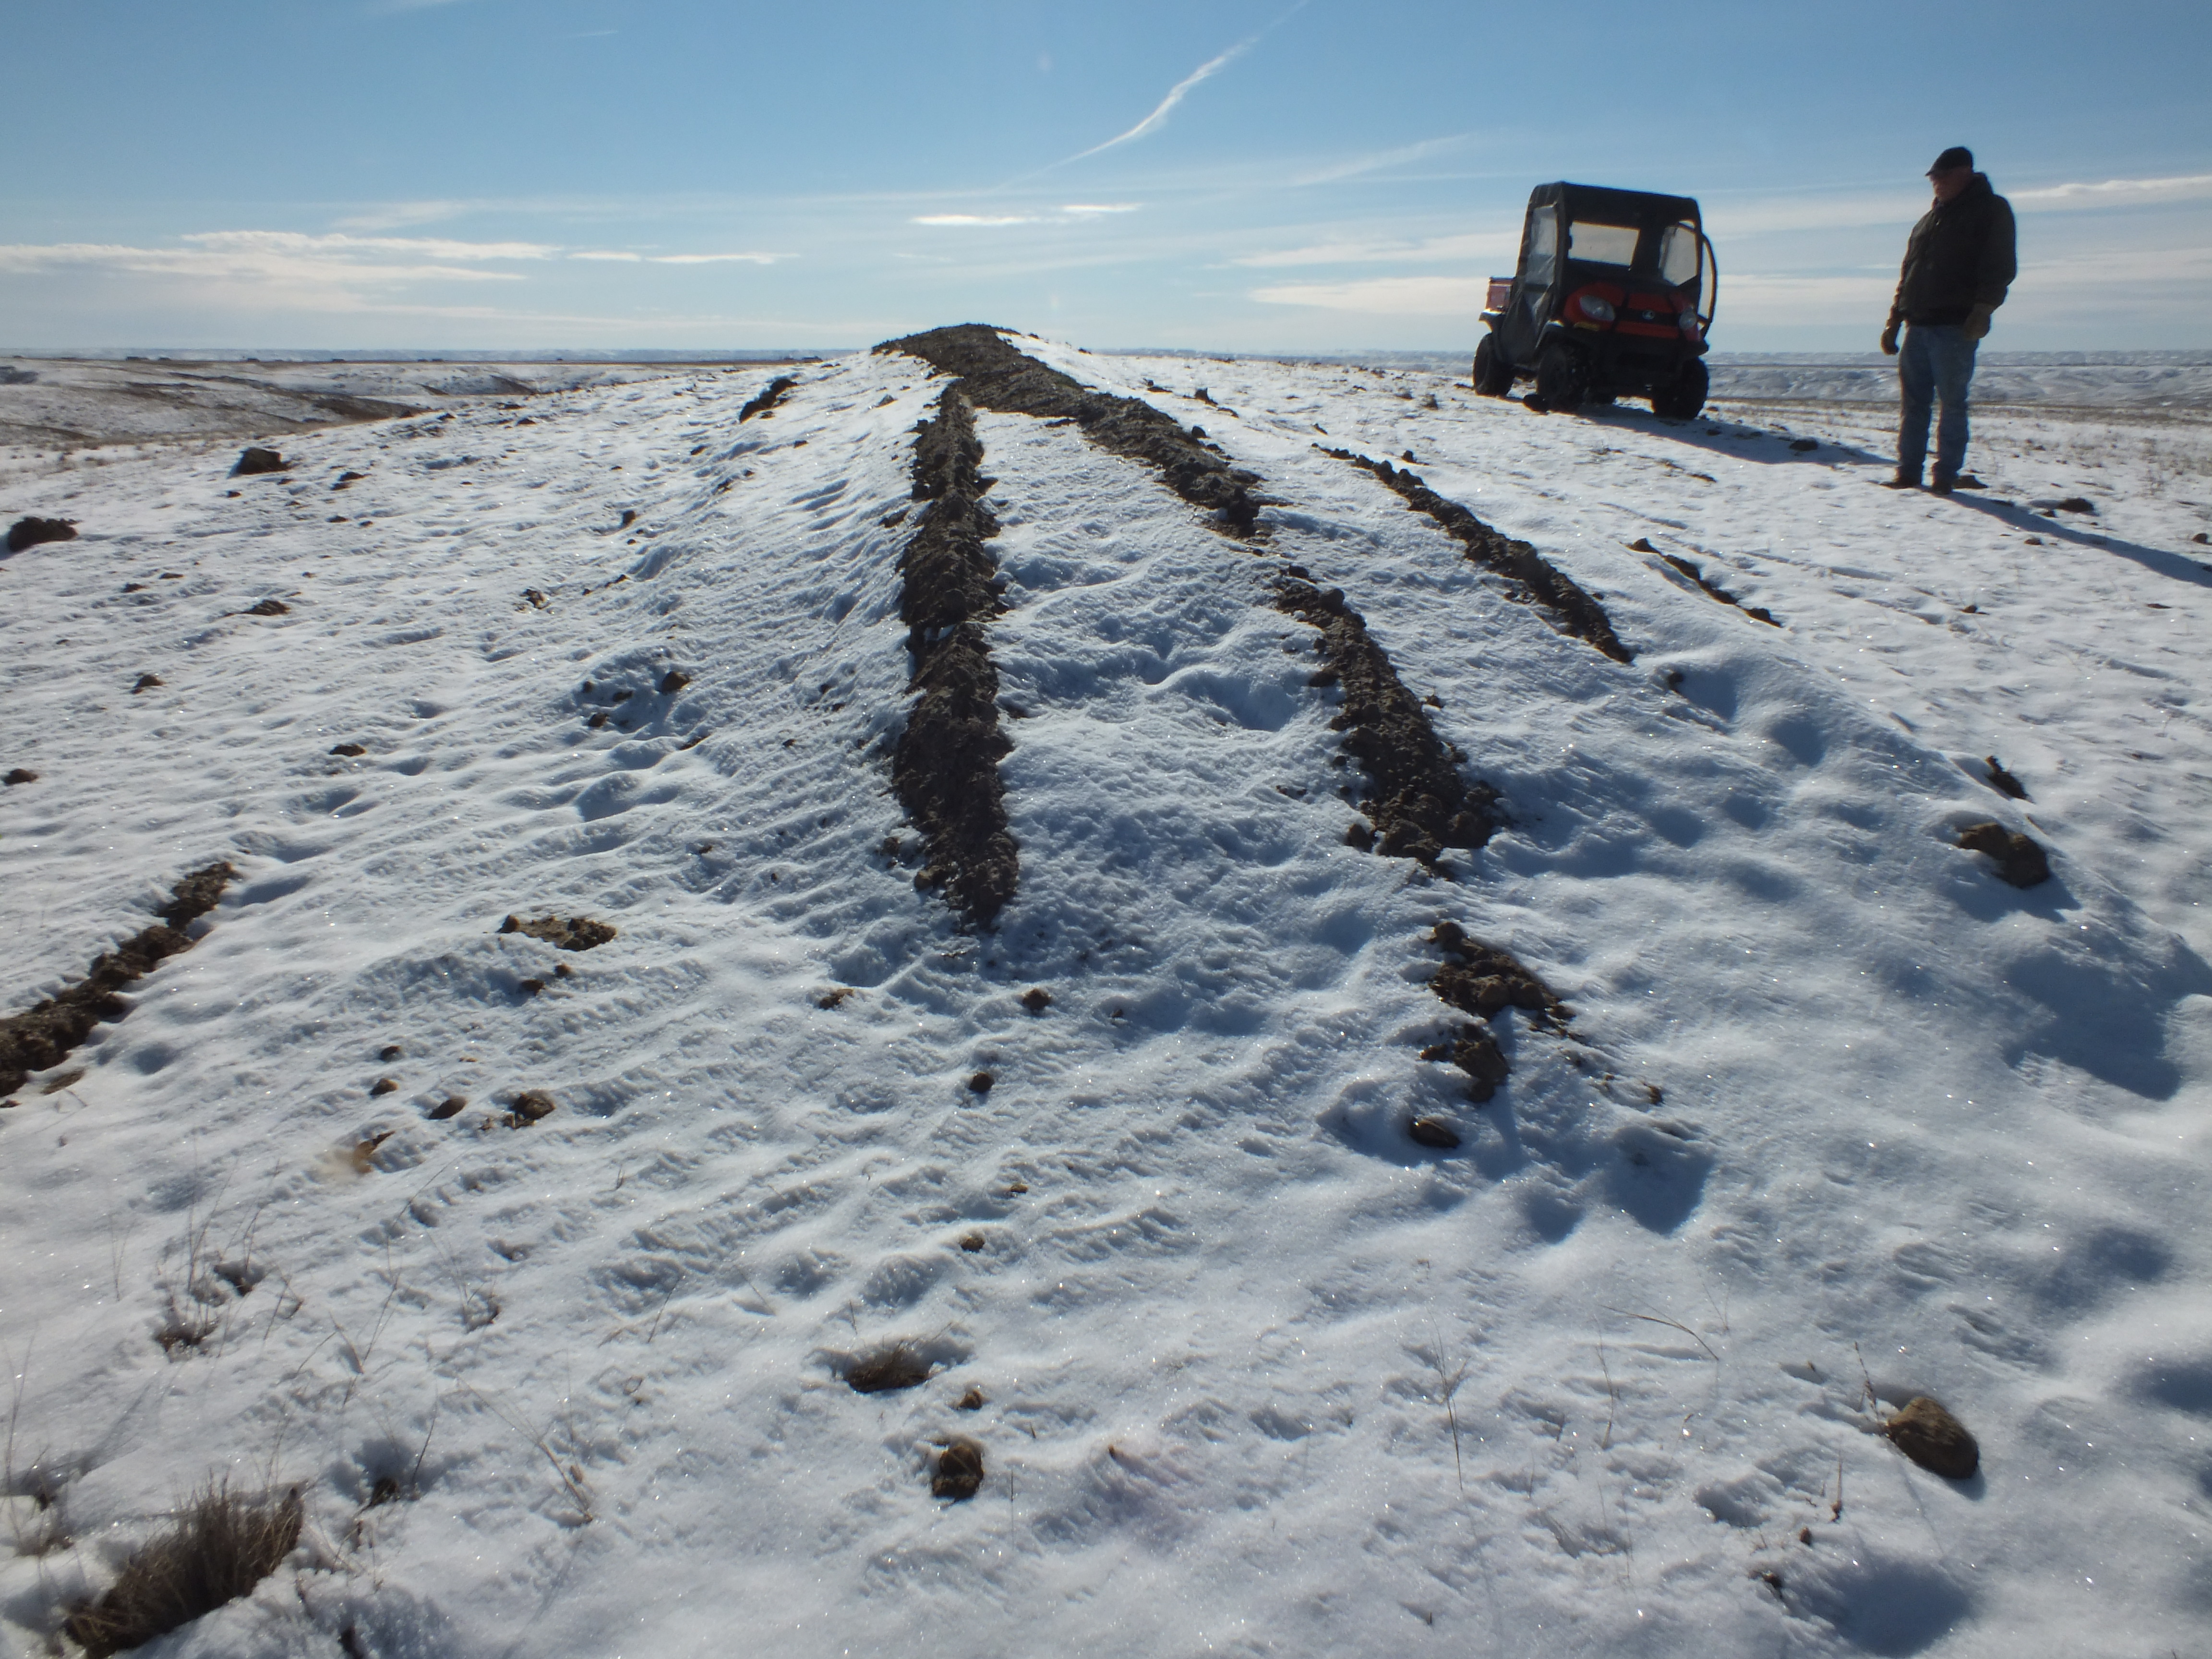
(1603, 245)
(1678, 259)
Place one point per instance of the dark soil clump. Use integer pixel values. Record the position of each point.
(219, 1549)
(768, 399)
(946, 768)
(267, 608)
(351, 751)
(1480, 979)
(29, 533)
(2003, 781)
(1935, 1439)
(994, 374)
(2019, 860)
(528, 1108)
(1520, 564)
(896, 1367)
(959, 1471)
(1418, 801)
(34, 1041)
(450, 1107)
(570, 934)
(259, 460)
(1433, 1132)
(146, 683)
(1036, 999)
(21, 774)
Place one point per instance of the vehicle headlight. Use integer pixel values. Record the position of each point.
(1596, 307)
(1688, 320)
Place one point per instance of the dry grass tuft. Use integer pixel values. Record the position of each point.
(896, 1367)
(220, 1546)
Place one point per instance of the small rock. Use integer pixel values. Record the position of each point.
(528, 1107)
(258, 460)
(1642, 545)
(971, 1243)
(1802, 445)
(1433, 1132)
(345, 478)
(351, 751)
(146, 683)
(391, 1051)
(959, 1471)
(383, 1086)
(530, 986)
(535, 597)
(970, 1402)
(21, 775)
(1359, 836)
(2076, 504)
(267, 608)
(673, 680)
(1935, 1439)
(981, 1082)
(449, 1107)
(1037, 999)
(2019, 860)
(2202, 539)
(562, 970)
(2005, 781)
(29, 533)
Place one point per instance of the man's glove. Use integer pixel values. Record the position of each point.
(1889, 339)
(1977, 325)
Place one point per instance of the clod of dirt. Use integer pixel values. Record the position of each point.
(2002, 781)
(1036, 999)
(896, 1367)
(629, 518)
(530, 987)
(981, 1082)
(596, 720)
(562, 970)
(1433, 1132)
(21, 774)
(2201, 538)
(971, 1243)
(1698, 577)
(959, 1471)
(259, 460)
(571, 934)
(363, 1157)
(1518, 561)
(29, 533)
(1479, 979)
(1935, 1439)
(2019, 860)
(351, 751)
(1418, 801)
(673, 680)
(1360, 835)
(535, 598)
(834, 997)
(146, 683)
(449, 1107)
(945, 766)
(383, 1086)
(391, 1051)
(768, 399)
(997, 376)
(1642, 545)
(1475, 1052)
(1803, 445)
(345, 478)
(267, 608)
(970, 1402)
(43, 1037)
(219, 1548)
(528, 1108)
(2076, 504)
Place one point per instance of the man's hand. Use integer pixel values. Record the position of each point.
(1977, 325)
(1889, 338)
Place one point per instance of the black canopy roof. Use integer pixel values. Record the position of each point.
(1605, 205)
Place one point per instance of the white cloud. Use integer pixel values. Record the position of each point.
(608, 254)
(1080, 208)
(236, 263)
(974, 219)
(2114, 192)
(1176, 93)
(1385, 296)
(715, 258)
(298, 242)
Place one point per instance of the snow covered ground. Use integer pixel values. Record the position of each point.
(1839, 1112)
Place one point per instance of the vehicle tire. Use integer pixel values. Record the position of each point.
(1562, 380)
(1493, 375)
(1682, 397)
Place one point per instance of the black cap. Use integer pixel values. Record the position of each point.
(1957, 156)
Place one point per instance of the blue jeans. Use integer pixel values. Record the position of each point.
(1934, 362)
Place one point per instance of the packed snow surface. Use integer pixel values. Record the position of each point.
(1841, 1118)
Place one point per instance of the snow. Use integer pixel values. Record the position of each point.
(1257, 1374)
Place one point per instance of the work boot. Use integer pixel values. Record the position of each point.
(1941, 486)
(1903, 480)
(1967, 481)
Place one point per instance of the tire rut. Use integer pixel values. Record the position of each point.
(1518, 561)
(945, 766)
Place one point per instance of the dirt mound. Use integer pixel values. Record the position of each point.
(259, 460)
(1935, 1439)
(34, 1041)
(2019, 860)
(1483, 981)
(1418, 801)
(946, 768)
(995, 375)
(1540, 581)
(29, 533)
(570, 934)
(768, 399)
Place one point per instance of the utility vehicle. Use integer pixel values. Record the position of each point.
(1614, 298)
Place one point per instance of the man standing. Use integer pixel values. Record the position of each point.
(1958, 262)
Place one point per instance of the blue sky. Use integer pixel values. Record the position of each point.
(1207, 174)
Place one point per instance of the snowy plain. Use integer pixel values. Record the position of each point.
(1841, 1118)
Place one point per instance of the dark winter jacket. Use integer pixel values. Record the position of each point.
(1959, 255)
